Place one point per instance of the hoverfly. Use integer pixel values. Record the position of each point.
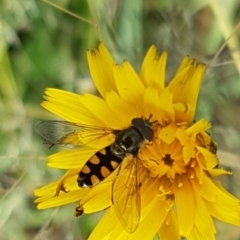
(127, 143)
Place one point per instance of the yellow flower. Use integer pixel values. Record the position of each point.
(177, 194)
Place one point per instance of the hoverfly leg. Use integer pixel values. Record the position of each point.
(78, 211)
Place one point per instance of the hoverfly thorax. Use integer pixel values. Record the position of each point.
(127, 141)
(130, 140)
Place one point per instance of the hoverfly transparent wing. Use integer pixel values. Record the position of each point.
(55, 131)
(126, 196)
(71, 134)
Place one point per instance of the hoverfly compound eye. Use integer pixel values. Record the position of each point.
(144, 126)
(148, 134)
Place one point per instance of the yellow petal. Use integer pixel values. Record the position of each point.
(218, 172)
(100, 64)
(199, 126)
(153, 69)
(99, 198)
(226, 208)
(50, 201)
(170, 230)
(159, 73)
(210, 159)
(46, 190)
(71, 159)
(68, 106)
(129, 86)
(176, 84)
(206, 189)
(100, 110)
(121, 109)
(187, 146)
(168, 134)
(192, 88)
(152, 221)
(146, 72)
(186, 84)
(203, 222)
(197, 235)
(185, 204)
(105, 226)
(150, 105)
(160, 106)
(183, 112)
(182, 136)
(68, 181)
(148, 193)
(166, 106)
(221, 188)
(185, 62)
(187, 152)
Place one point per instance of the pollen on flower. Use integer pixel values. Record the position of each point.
(179, 182)
(191, 173)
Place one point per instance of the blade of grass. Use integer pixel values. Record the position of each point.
(223, 12)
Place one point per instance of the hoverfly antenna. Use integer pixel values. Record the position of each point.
(148, 119)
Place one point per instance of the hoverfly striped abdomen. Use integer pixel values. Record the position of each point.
(98, 167)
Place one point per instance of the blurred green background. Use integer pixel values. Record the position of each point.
(41, 46)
